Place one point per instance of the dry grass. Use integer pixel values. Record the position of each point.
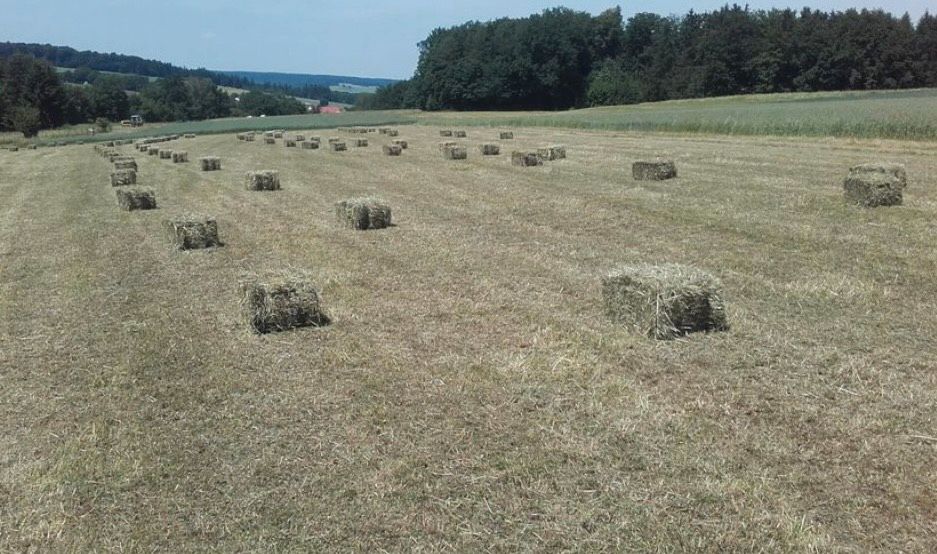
(471, 395)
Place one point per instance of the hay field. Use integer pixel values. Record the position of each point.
(470, 394)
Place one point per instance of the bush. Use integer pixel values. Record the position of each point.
(102, 124)
(26, 120)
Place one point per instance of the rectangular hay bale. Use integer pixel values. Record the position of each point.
(490, 149)
(402, 144)
(338, 146)
(192, 232)
(392, 150)
(876, 184)
(266, 179)
(210, 163)
(289, 143)
(660, 170)
(551, 153)
(455, 153)
(282, 305)
(165, 154)
(123, 177)
(180, 156)
(526, 159)
(136, 198)
(310, 145)
(506, 135)
(363, 213)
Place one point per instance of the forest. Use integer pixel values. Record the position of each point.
(561, 58)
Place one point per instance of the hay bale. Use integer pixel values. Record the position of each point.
(278, 134)
(125, 164)
(32, 147)
(270, 140)
(123, 177)
(210, 163)
(338, 146)
(384, 130)
(526, 159)
(455, 153)
(490, 149)
(268, 134)
(242, 136)
(664, 301)
(180, 156)
(448, 144)
(310, 145)
(660, 170)
(334, 140)
(165, 154)
(402, 144)
(445, 133)
(266, 179)
(281, 305)
(191, 232)
(551, 153)
(189, 135)
(873, 185)
(506, 135)
(363, 213)
(153, 151)
(136, 198)
(392, 150)
(393, 133)
(299, 138)
(14, 148)
(360, 143)
(249, 137)
(459, 134)
(289, 143)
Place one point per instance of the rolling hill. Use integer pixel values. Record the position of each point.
(302, 79)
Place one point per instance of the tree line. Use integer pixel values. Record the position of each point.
(563, 58)
(33, 96)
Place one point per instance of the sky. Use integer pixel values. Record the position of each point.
(363, 38)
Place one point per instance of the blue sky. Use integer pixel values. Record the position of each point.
(368, 38)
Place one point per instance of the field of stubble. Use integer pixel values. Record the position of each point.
(470, 395)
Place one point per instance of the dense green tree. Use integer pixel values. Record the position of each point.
(25, 119)
(109, 100)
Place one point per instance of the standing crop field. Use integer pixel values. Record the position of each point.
(470, 393)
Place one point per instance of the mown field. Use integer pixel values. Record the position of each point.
(470, 395)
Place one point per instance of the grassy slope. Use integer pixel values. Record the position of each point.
(470, 394)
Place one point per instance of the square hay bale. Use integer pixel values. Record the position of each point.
(289, 143)
(551, 153)
(210, 163)
(393, 133)
(152, 151)
(125, 164)
(310, 145)
(338, 146)
(270, 140)
(506, 135)
(282, 304)
(384, 130)
(191, 232)
(268, 134)
(873, 185)
(445, 133)
(360, 143)
(334, 140)
(448, 144)
(299, 138)
(249, 137)
(402, 144)
(123, 177)
(664, 301)
(189, 135)
(278, 134)
(165, 154)
(455, 153)
(490, 149)
(459, 134)
(660, 170)
(242, 136)
(392, 150)
(136, 198)
(180, 157)
(526, 159)
(266, 179)
(363, 213)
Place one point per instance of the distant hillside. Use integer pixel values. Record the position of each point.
(297, 80)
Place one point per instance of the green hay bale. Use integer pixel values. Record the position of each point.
(551, 153)
(392, 150)
(660, 170)
(455, 153)
(180, 157)
(459, 134)
(664, 301)
(402, 144)
(490, 149)
(282, 304)
(506, 135)
(165, 154)
(310, 145)
(270, 140)
(289, 143)
(192, 232)
(360, 143)
(266, 179)
(136, 198)
(338, 146)
(123, 177)
(363, 213)
(210, 163)
(873, 185)
(526, 159)
(445, 133)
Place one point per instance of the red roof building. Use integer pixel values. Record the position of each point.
(330, 109)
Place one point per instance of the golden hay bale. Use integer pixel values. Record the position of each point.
(191, 232)
(338, 146)
(526, 159)
(165, 154)
(136, 198)
(242, 136)
(299, 138)
(660, 170)
(123, 177)
(459, 134)
(153, 151)
(506, 135)
(210, 163)
(873, 185)
(448, 144)
(551, 153)
(281, 304)
(270, 140)
(490, 149)
(445, 133)
(360, 143)
(402, 144)
(455, 153)
(266, 179)
(289, 143)
(392, 150)
(664, 301)
(180, 156)
(363, 213)
(278, 134)
(310, 145)
(125, 164)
